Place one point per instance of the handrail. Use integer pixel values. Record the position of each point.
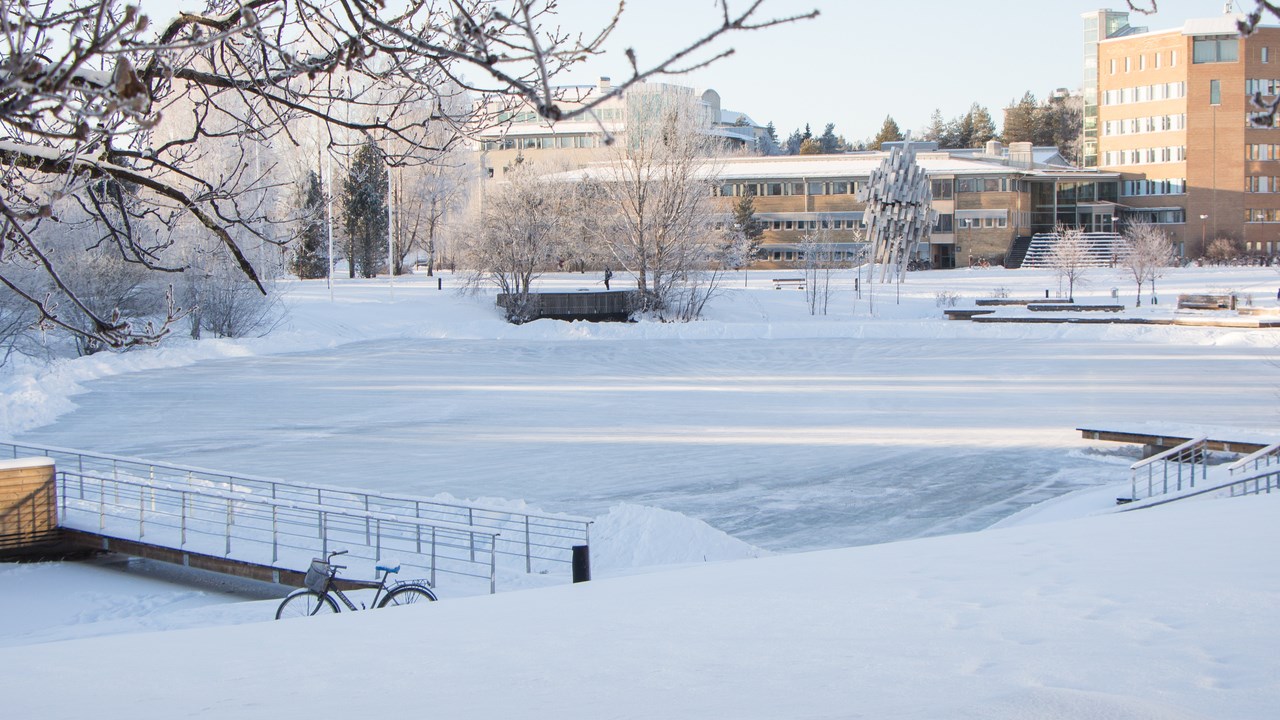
(1178, 449)
(1267, 452)
(1193, 452)
(182, 511)
(44, 449)
(532, 536)
(1269, 476)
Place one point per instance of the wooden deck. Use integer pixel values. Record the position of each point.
(80, 542)
(1167, 441)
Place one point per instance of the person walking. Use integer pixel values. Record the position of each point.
(608, 275)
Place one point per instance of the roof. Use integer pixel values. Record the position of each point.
(1228, 24)
(855, 165)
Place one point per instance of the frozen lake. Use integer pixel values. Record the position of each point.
(789, 444)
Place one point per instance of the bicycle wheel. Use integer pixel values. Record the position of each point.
(303, 602)
(407, 595)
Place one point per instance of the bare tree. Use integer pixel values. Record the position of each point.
(1147, 252)
(1070, 257)
(819, 261)
(97, 107)
(658, 184)
(425, 197)
(515, 240)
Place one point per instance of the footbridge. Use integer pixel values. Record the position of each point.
(57, 500)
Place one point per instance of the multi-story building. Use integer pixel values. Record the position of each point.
(986, 199)
(576, 142)
(1174, 118)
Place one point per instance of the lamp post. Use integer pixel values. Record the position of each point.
(1115, 228)
(1203, 229)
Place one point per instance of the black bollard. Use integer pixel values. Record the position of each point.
(581, 563)
(439, 283)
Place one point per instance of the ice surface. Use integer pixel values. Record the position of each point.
(895, 430)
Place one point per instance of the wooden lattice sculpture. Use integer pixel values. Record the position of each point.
(899, 210)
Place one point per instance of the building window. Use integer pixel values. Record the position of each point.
(1215, 92)
(1173, 58)
(1157, 59)
(1113, 66)
(816, 188)
(1266, 55)
(1142, 62)
(1127, 65)
(1215, 49)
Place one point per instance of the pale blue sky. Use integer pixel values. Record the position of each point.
(861, 60)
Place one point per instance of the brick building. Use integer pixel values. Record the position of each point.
(1173, 118)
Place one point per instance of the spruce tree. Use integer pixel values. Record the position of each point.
(746, 226)
(310, 258)
(889, 132)
(829, 142)
(365, 212)
(983, 127)
(1022, 120)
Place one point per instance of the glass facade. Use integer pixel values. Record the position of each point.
(1098, 26)
(1070, 202)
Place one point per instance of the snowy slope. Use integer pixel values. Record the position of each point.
(1160, 614)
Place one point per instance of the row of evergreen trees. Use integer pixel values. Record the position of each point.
(364, 219)
(1055, 122)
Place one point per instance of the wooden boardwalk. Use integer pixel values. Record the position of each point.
(1164, 441)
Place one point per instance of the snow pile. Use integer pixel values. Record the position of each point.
(635, 536)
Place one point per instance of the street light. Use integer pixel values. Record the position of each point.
(1115, 228)
(1203, 226)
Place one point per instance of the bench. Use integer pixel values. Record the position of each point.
(797, 283)
(1049, 307)
(1015, 301)
(1206, 302)
(965, 314)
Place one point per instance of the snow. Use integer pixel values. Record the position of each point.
(711, 454)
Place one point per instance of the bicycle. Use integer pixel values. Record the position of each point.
(317, 597)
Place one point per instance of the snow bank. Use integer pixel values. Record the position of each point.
(635, 536)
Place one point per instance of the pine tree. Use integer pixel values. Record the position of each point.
(745, 228)
(365, 212)
(1022, 120)
(792, 146)
(983, 128)
(828, 142)
(311, 257)
(936, 130)
(889, 132)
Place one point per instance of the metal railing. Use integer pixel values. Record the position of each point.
(538, 539)
(1263, 482)
(1264, 457)
(275, 533)
(1177, 466)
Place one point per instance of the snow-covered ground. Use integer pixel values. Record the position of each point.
(786, 431)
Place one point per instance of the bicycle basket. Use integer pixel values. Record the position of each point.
(317, 575)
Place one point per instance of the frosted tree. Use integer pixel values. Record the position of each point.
(657, 185)
(1070, 257)
(516, 237)
(92, 95)
(1148, 252)
(819, 262)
